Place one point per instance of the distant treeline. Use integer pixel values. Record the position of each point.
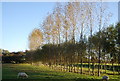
(13, 57)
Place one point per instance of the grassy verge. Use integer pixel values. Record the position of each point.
(44, 73)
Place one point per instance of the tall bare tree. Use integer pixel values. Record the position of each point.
(35, 39)
(91, 18)
(47, 28)
(102, 16)
(57, 21)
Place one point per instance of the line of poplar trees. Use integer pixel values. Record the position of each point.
(76, 35)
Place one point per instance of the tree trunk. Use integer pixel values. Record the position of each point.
(93, 68)
(81, 71)
(89, 65)
(74, 69)
(118, 69)
(99, 61)
(105, 66)
(113, 68)
(119, 63)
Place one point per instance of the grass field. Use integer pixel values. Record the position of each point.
(38, 73)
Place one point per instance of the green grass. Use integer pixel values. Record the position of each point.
(101, 64)
(10, 71)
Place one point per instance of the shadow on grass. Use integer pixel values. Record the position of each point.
(58, 79)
